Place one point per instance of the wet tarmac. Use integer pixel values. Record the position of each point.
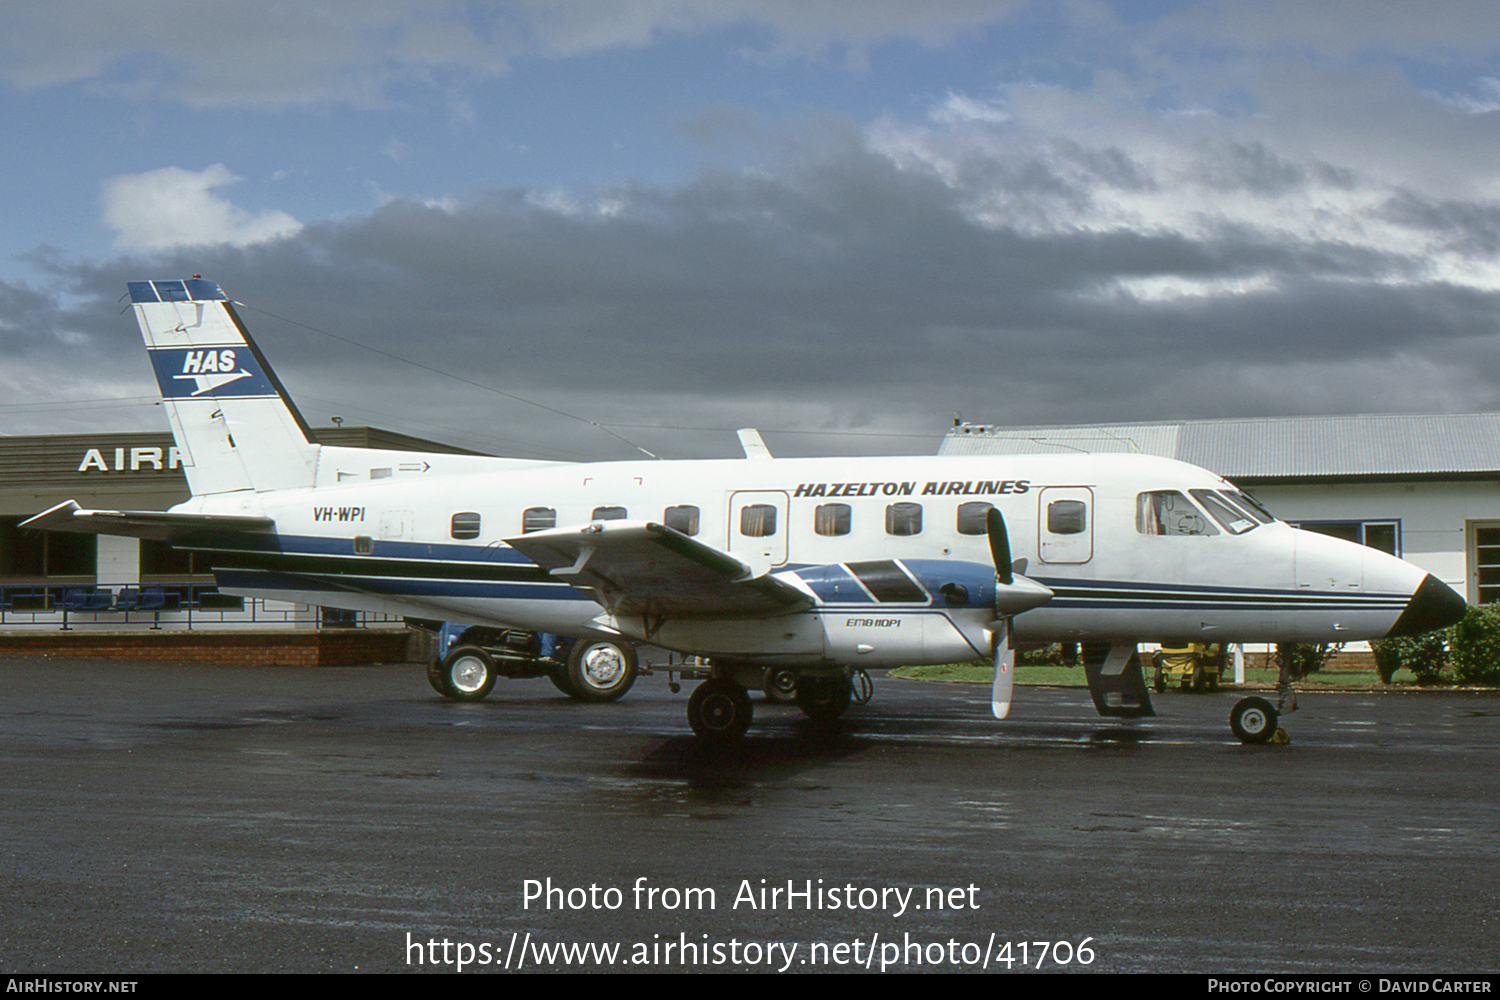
(162, 818)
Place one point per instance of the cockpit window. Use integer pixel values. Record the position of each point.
(1168, 512)
(1232, 518)
(1255, 508)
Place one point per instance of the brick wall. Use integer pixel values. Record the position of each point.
(268, 647)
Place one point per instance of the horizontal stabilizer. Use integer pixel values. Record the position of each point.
(162, 526)
(640, 568)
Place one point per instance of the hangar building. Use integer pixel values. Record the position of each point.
(43, 572)
(1423, 487)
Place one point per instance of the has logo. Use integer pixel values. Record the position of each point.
(208, 371)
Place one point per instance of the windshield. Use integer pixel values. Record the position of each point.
(1233, 520)
(1252, 506)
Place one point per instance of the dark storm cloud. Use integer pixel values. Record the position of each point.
(838, 292)
(1464, 226)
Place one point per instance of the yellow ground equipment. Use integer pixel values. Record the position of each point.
(1195, 666)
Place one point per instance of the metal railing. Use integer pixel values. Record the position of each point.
(164, 606)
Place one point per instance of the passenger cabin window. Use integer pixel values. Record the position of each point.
(538, 519)
(465, 525)
(831, 519)
(758, 520)
(903, 519)
(683, 518)
(1067, 517)
(608, 514)
(1167, 512)
(1232, 519)
(971, 517)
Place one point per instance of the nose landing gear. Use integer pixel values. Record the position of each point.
(1254, 719)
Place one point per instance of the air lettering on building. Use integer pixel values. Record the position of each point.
(139, 458)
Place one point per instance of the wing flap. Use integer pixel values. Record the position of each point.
(641, 568)
(162, 526)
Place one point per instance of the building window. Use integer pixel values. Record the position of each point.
(683, 518)
(538, 519)
(28, 553)
(903, 519)
(465, 525)
(1485, 559)
(831, 518)
(1382, 535)
(971, 517)
(158, 559)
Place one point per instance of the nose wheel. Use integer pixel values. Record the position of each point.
(1254, 721)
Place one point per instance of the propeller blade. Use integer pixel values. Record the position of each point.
(1005, 669)
(994, 525)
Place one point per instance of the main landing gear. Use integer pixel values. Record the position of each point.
(719, 709)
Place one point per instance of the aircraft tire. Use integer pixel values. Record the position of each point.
(600, 670)
(823, 699)
(780, 685)
(558, 675)
(1253, 720)
(435, 675)
(719, 710)
(468, 674)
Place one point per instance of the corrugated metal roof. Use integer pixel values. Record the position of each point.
(980, 439)
(1427, 444)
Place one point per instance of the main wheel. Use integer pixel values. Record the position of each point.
(823, 699)
(1253, 720)
(719, 710)
(780, 684)
(435, 675)
(468, 673)
(600, 670)
(558, 675)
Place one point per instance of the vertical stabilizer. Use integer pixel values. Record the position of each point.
(235, 425)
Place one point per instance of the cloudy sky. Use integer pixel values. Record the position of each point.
(551, 227)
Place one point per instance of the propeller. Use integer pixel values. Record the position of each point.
(1013, 595)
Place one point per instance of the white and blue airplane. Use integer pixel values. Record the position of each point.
(814, 566)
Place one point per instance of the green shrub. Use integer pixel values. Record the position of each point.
(1424, 655)
(1475, 645)
(1305, 659)
(1043, 656)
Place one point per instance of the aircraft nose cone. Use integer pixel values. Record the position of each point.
(1435, 605)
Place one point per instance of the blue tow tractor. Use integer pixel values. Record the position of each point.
(472, 657)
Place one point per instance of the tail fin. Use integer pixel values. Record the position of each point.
(235, 425)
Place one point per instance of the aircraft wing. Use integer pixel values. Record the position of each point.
(162, 526)
(640, 568)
